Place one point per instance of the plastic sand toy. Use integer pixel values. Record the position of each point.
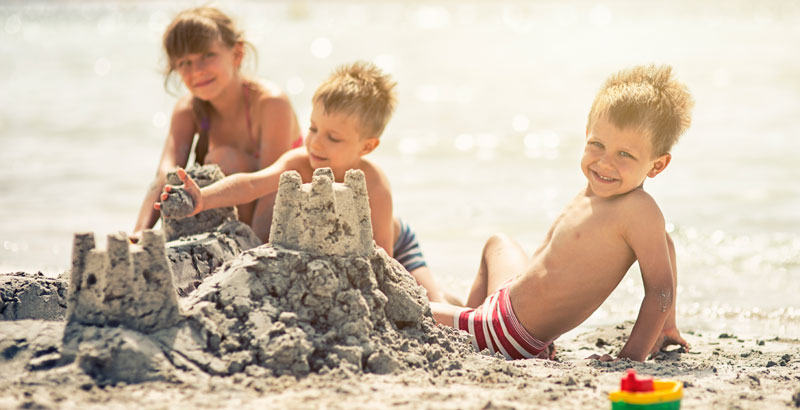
(645, 393)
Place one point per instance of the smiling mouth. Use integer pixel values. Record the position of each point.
(603, 178)
(317, 157)
(204, 83)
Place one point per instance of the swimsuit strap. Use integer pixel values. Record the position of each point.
(247, 110)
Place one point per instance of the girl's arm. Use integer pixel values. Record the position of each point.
(175, 154)
(279, 129)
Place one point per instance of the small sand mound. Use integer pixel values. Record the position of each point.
(32, 296)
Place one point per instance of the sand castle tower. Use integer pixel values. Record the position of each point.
(127, 285)
(323, 218)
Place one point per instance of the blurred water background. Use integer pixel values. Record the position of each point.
(493, 98)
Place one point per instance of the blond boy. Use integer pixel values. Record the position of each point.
(519, 305)
(351, 110)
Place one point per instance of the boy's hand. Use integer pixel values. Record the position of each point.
(180, 201)
(669, 337)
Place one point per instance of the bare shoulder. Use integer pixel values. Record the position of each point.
(182, 125)
(183, 107)
(639, 210)
(269, 96)
(377, 182)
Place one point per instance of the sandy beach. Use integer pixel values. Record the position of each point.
(720, 371)
(491, 120)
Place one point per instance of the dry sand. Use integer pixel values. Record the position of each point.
(721, 371)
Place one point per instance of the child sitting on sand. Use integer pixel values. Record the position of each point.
(242, 124)
(518, 305)
(351, 110)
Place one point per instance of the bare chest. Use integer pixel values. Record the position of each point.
(237, 133)
(590, 234)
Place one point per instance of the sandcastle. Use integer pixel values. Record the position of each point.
(323, 218)
(321, 297)
(128, 285)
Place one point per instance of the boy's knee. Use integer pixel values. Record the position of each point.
(496, 240)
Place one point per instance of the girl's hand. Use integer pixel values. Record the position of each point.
(180, 201)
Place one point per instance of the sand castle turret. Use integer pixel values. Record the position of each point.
(323, 217)
(127, 285)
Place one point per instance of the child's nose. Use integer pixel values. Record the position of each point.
(605, 160)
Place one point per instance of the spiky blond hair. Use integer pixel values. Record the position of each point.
(362, 90)
(646, 98)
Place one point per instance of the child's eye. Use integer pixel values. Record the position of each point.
(596, 144)
(312, 130)
(330, 137)
(625, 154)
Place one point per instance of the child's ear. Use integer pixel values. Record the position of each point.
(238, 54)
(659, 164)
(369, 145)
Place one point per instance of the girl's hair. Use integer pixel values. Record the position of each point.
(194, 30)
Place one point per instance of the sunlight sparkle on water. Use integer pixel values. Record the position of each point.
(321, 48)
(295, 85)
(159, 120)
(520, 123)
(464, 142)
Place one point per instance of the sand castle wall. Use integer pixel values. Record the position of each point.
(286, 309)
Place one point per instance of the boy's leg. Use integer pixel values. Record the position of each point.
(502, 259)
(232, 161)
(444, 313)
(421, 274)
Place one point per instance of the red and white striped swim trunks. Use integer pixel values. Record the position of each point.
(494, 325)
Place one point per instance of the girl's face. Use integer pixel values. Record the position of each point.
(207, 74)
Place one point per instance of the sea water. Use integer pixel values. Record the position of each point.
(486, 138)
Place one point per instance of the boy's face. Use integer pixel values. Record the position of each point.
(335, 140)
(617, 161)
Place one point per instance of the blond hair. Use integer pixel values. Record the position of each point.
(194, 30)
(362, 90)
(646, 98)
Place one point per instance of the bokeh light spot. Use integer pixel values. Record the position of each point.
(321, 47)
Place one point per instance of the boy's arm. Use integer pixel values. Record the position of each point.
(670, 335)
(232, 190)
(380, 204)
(645, 235)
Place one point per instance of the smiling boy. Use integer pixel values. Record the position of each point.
(519, 305)
(351, 109)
